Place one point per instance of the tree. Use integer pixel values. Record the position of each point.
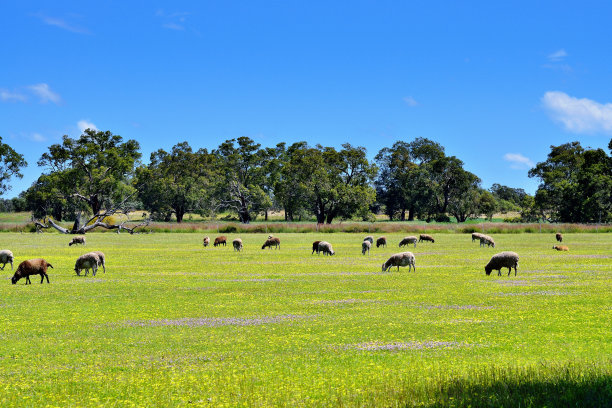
(177, 182)
(243, 176)
(575, 184)
(11, 163)
(91, 174)
(487, 204)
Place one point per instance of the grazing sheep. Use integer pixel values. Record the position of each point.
(271, 242)
(370, 239)
(326, 248)
(476, 236)
(32, 267)
(6, 256)
(382, 241)
(87, 261)
(101, 259)
(222, 240)
(206, 241)
(315, 247)
(486, 240)
(77, 240)
(505, 259)
(400, 259)
(408, 240)
(237, 243)
(365, 247)
(559, 237)
(561, 248)
(426, 237)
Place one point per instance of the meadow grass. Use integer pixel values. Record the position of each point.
(173, 324)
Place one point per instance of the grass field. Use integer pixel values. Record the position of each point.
(174, 324)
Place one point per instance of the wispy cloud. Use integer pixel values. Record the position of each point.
(578, 115)
(86, 124)
(518, 161)
(37, 137)
(8, 96)
(44, 92)
(557, 56)
(173, 21)
(62, 23)
(410, 101)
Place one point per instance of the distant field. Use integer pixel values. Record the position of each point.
(174, 324)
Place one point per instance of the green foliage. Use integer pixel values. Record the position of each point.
(11, 163)
(212, 327)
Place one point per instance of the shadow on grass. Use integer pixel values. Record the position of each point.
(544, 386)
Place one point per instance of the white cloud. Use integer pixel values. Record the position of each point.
(45, 93)
(37, 137)
(557, 55)
(578, 115)
(410, 101)
(8, 96)
(518, 161)
(85, 124)
(62, 23)
(173, 21)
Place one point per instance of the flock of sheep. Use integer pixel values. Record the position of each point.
(93, 260)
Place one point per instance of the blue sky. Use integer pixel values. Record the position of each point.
(496, 83)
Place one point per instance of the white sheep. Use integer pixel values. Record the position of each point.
(365, 247)
(87, 261)
(476, 236)
(486, 240)
(77, 240)
(101, 259)
(400, 259)
(506, 259)
(6, 256)
(326, 248)
(408, 240)
(237, 243)
(370, 239)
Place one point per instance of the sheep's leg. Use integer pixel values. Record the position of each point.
(28, 279)
(42, 278)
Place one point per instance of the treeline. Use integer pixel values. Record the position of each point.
(409, 180)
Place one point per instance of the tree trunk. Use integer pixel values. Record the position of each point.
(96, 205)
(403, 216)
(266, 215)
(411, 214)
(180, 213)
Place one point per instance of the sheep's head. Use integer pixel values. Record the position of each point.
(384, 268)
(15, 278)
(488, 270)
(331, 252)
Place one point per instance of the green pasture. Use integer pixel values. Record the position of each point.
(171, 323)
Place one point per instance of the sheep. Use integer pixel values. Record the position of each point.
(315, 247)
(222, 240)
(326, 248)
(486, 240)
(382, 241)
(365, 247)
(237, 243)
(206, 241)
(77, 240)
(6, 256)
(506, 259)
(426, 237)
(271, 242)
(400, 259)
(408, 240)
(559, 237)
(561, 248)
(32, 267)
(370, 239)
(87, 261)
(101, 259)
(476, 236)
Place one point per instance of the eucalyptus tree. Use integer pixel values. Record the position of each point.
(11, 163)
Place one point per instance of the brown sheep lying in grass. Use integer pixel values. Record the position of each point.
(271, 242)
(400, 259)
(222, 240)
(561, 248)
(32, 267)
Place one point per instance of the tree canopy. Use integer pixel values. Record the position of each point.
(11, 163)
